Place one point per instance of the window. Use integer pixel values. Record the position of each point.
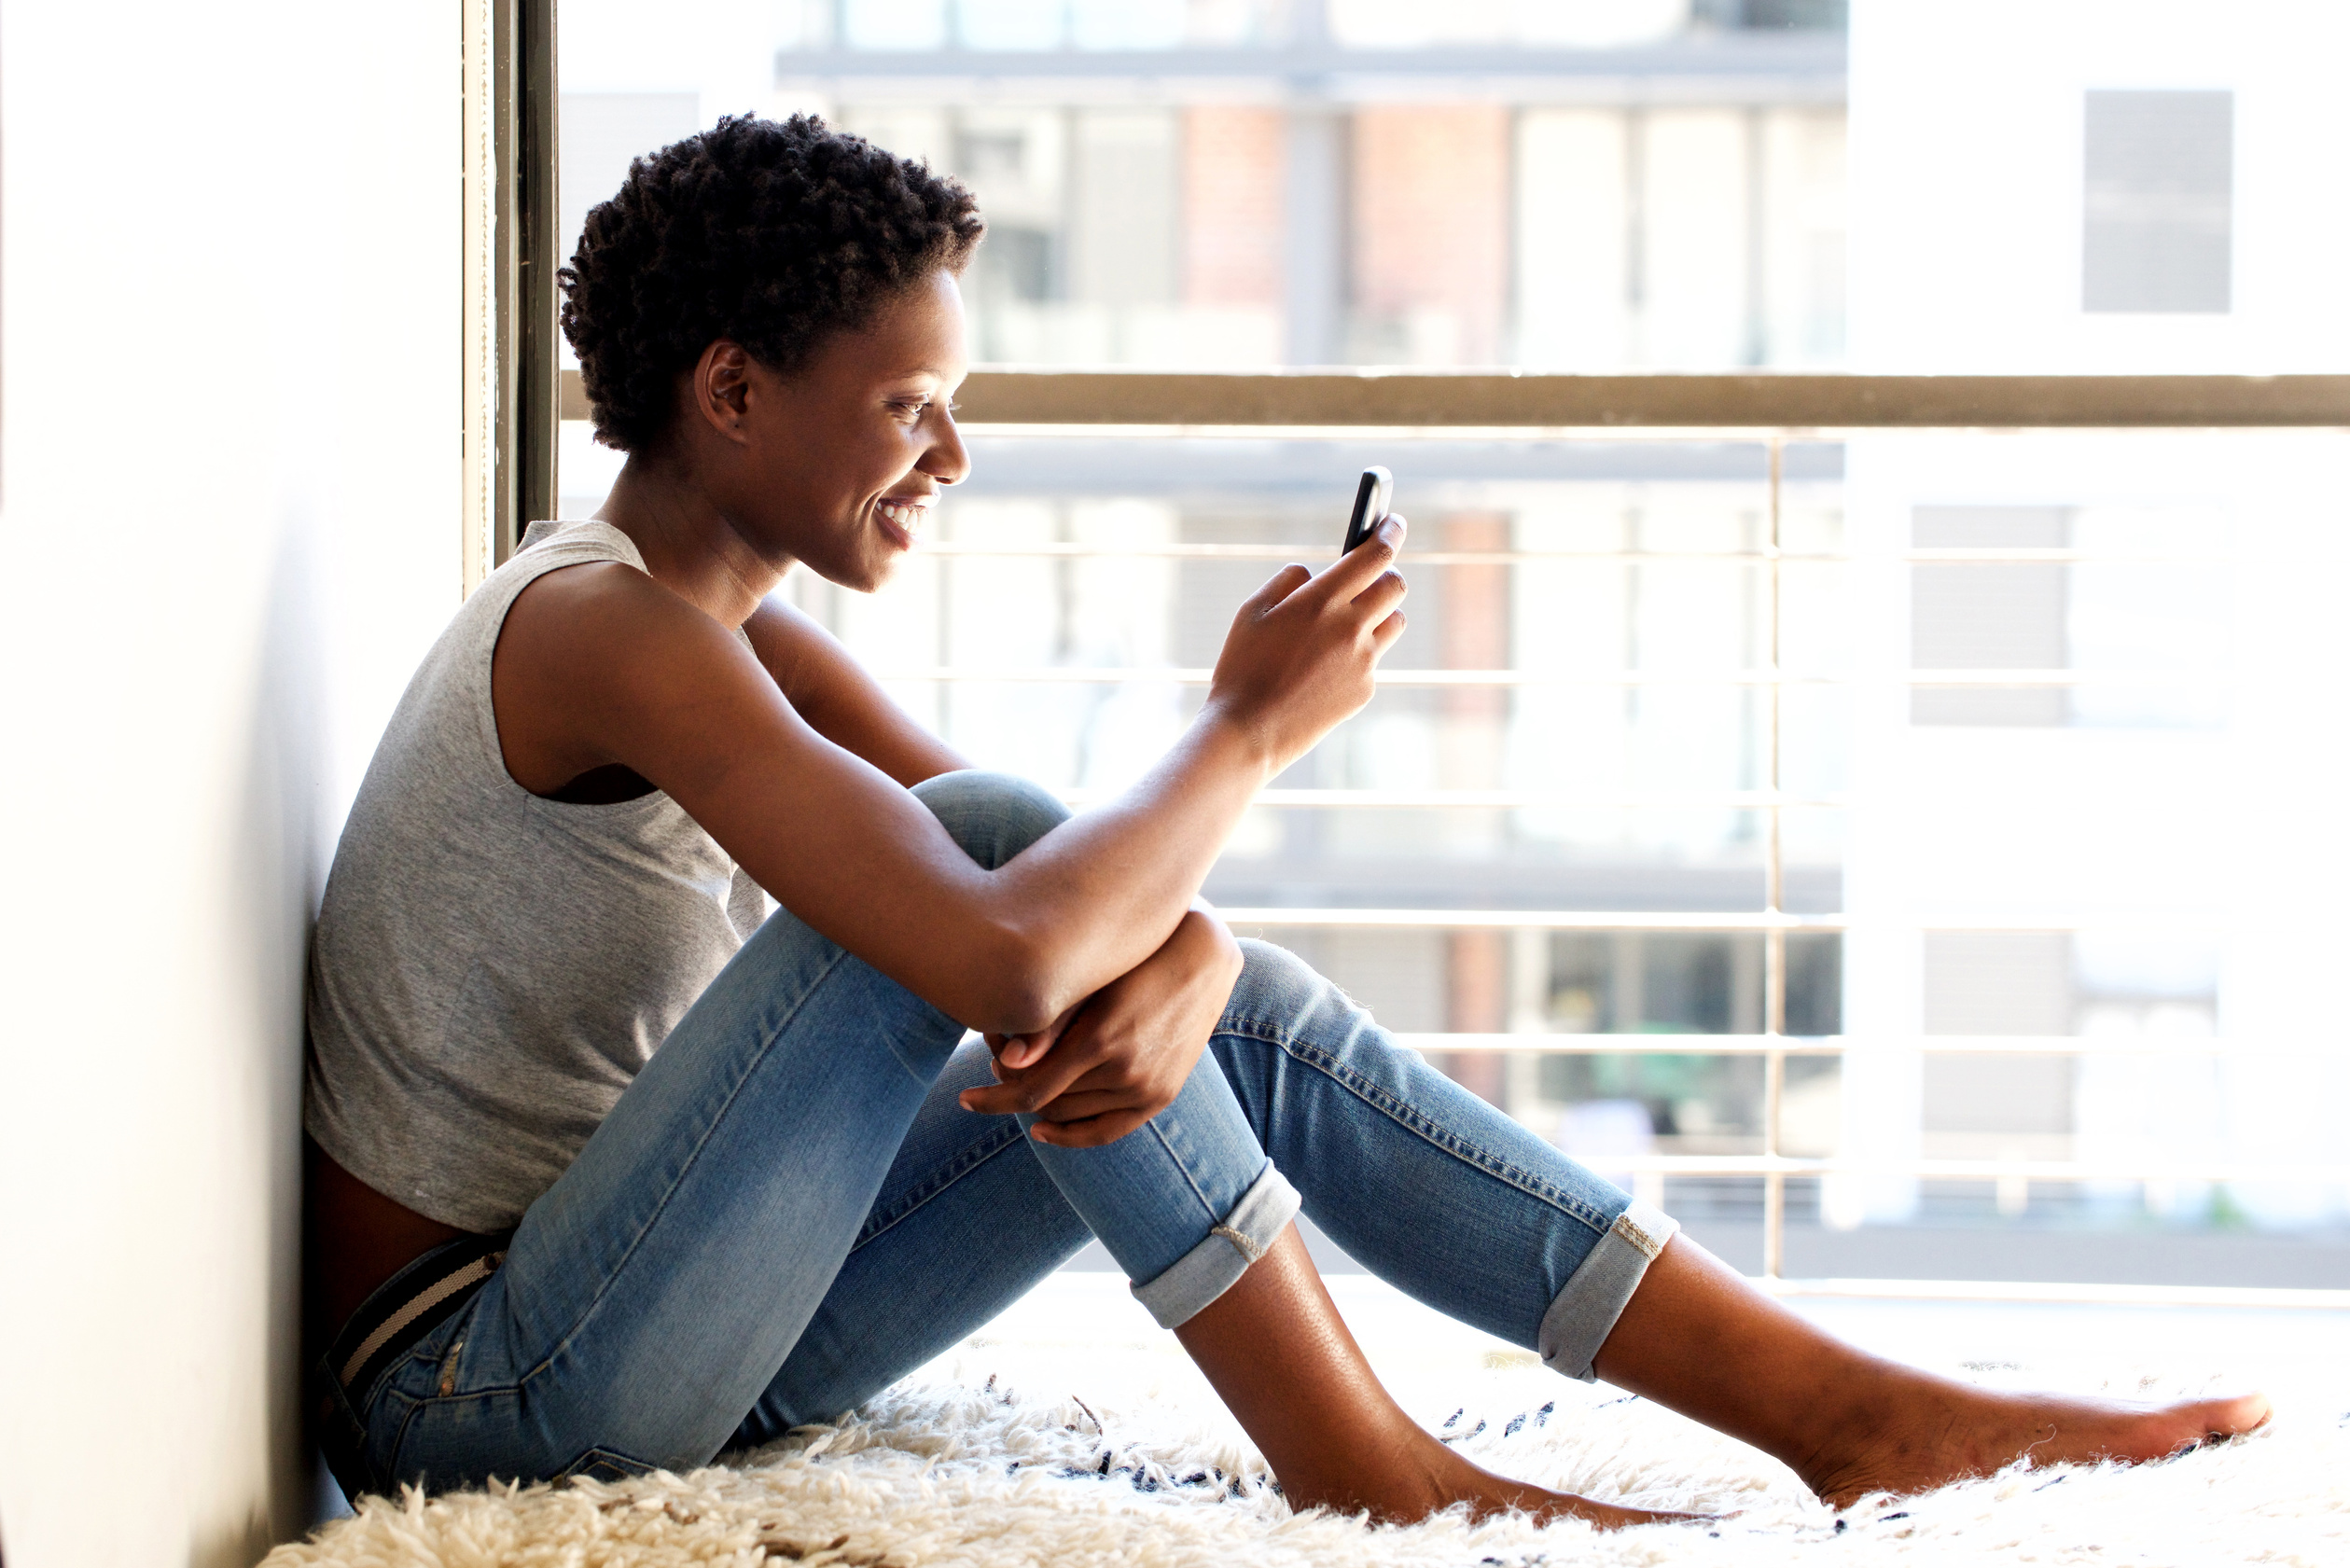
(1993, 615)
(600, 133)
(1846, 827)
(2158, 178)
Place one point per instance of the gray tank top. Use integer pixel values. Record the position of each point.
(491, 968)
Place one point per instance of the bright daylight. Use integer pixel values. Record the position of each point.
(939, 783)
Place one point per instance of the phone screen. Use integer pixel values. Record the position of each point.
(1371, 506)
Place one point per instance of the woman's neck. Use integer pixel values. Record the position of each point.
(690, 544)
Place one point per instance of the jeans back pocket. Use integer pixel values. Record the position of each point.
(340, 1436)
(605, 1465)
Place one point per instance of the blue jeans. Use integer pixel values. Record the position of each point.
(787, 1210)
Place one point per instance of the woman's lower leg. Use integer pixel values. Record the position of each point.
(1200, 1220)
(1339, 1105)
(1275, 1349)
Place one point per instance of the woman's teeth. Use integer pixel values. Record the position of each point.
(904, 514)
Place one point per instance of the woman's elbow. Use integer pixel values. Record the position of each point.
(1016, 991)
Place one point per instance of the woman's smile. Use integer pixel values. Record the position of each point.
(902, 518)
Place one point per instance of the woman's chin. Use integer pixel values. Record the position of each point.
(872, 574)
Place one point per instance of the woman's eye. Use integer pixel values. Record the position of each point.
(911, 412)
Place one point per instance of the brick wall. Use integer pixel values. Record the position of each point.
(1431, 205)
(1232, 206)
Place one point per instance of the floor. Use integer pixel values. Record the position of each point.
(1081, 1331)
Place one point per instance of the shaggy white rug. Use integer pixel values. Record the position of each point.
(985, 1472)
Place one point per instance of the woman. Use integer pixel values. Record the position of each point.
(552, 1249)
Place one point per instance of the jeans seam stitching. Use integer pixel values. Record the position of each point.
(464, 1396)
(1470, 1155)
(1190, 1180)
(385, 1386)
(400, 1441)
(937, 1187)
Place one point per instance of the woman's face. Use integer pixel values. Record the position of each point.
(843, 461)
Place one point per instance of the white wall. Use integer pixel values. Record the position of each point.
(229, 308)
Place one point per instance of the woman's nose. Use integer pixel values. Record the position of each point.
(947, 460)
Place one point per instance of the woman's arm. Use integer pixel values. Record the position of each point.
(832, 690)
(599, 664)
(1122, 1056)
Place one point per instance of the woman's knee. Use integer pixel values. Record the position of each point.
(1276, 986)
(993, 816)
(1287, 1006)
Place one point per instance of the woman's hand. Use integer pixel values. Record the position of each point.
(1121, 1056)
(1302, 651)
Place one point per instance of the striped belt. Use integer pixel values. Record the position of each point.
(411, 1305)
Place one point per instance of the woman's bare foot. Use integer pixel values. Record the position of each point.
(1697, 1338)
(1925, 1432)
(1419, 1476)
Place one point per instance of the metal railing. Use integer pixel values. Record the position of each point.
(1421, 401)
(1418, 402)
(1772, 409)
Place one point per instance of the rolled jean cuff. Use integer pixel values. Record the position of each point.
(1585, 1312)
(1210, 1268)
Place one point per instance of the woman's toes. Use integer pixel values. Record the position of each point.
(2131, 1435)
(1976, 1434)
(2222, 1419)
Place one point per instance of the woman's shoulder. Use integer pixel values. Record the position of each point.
(545, 547)
(575, 540)
(443, 737)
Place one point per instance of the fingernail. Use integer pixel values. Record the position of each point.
(1391, 529)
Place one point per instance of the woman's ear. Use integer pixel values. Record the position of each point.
(721, 388)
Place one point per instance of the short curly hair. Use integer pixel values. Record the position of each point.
(774, 233)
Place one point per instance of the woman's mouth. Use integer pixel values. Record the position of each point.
(901, 518)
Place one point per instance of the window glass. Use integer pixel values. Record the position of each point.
(2045, 742)
(1647, 184)
(1694, 185)
(2158, 201)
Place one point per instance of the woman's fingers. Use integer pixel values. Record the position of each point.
(1278, 587)
(1023, 1051)
(1017, 1051)
(1080, 1103)
(1296, 661)
(1091, 1133)
(1355, 569)
(1076, 1053)
(1381, 598)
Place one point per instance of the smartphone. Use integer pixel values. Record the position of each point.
(1371, 506)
